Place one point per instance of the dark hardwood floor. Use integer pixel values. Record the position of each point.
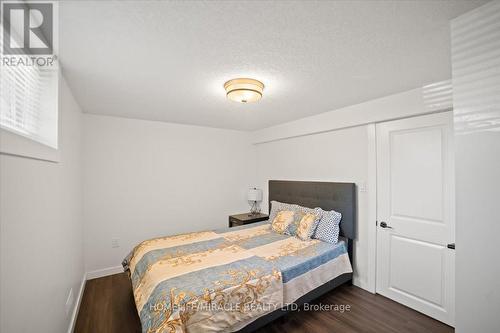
(108, 307)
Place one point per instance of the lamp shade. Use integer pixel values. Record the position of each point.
(254, 194)
(244, 90)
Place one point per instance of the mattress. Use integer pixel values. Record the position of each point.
(222, 280)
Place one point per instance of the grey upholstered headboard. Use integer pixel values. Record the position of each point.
(340, 197)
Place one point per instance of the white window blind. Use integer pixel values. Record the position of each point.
(29, 102)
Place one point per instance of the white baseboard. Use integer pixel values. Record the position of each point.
(362, 284)
(76, 308)
(104, 272)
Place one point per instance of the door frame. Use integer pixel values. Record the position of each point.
(372, 208)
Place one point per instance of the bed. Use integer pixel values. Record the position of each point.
(239, 279)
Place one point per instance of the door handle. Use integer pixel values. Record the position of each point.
(451, 246)
(384, 225)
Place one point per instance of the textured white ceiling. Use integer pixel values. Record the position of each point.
(168, 61)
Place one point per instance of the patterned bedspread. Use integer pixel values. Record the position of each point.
(218, 281)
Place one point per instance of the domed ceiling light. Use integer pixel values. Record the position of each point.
(244, 90)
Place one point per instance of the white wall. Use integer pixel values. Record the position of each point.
(341, 156)
(476, 90)
(144, 179)
(41, 231)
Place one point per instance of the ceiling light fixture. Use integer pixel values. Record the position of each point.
(244, 90)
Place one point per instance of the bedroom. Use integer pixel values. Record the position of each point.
(180, 121)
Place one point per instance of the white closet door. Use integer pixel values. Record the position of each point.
(415, 213)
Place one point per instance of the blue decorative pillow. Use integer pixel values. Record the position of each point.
(329, 227)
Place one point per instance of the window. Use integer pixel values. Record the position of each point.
(29, 80)
(29, 102)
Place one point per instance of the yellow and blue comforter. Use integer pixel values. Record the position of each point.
(214, 281)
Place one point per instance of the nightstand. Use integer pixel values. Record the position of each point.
(246, 218)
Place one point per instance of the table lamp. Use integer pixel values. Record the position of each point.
(254, 196)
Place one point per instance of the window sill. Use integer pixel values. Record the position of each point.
(17, 145)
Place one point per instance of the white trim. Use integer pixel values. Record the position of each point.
(76, 308)
(104, 272)
(360, 283)
(372, 208)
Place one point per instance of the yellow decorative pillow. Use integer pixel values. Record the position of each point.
(306, 226)
(282, 221)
